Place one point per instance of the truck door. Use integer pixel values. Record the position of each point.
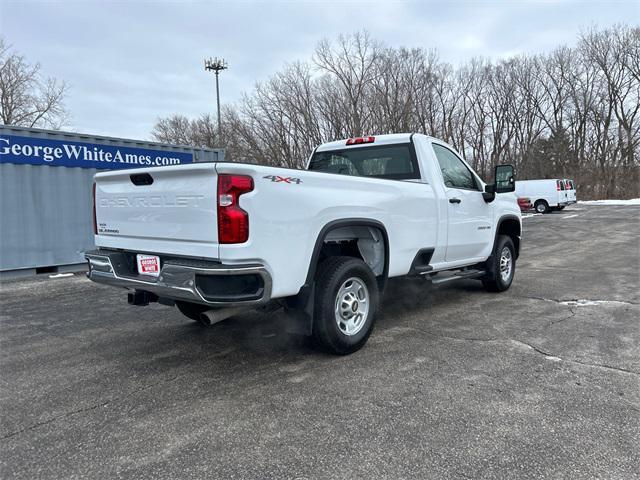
(470, 217)
(571, 192)
(562, 193)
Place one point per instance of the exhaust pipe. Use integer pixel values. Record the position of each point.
(217, 315)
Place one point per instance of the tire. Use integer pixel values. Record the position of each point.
(496, 280)
(344, 327)
(191, 310)
(541, 206)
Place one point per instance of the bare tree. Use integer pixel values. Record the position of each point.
(352, 62)
(574, 112)
(180, 130)
(27, 99)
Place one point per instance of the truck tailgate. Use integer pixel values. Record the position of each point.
(164, 208)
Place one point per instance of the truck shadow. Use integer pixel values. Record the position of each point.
(171, 345)
(256, 340)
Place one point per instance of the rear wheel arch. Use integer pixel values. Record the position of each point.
(302, 305)
(360, 230)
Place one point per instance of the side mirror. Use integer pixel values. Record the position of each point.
(505, 179)
(489, 193)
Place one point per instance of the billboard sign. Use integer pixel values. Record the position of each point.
(71, 153)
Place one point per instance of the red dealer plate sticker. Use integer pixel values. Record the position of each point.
(148, 265)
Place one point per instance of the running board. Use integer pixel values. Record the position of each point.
(422, 269)
(464, 274)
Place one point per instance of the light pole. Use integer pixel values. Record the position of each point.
(215, 65)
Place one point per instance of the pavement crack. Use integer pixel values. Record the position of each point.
(546, 354)
(532, 347)
(568, 360)
(87, 409)
(564, 319)
(57, 417)
(463, 339)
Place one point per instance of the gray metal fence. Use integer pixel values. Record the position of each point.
(46, 210)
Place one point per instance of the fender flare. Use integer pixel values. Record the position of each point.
(347, 222)
(500, 221)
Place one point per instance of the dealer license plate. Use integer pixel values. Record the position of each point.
(148, 265)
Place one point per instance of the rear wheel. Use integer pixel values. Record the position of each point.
(541, 206)
(502, 266)
(345, 307)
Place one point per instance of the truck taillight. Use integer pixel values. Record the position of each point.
(95, 220)
(233, 221)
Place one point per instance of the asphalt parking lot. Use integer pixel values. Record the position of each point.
(454, 383)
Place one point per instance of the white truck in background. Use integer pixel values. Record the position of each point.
(546, 195)
(215, 238)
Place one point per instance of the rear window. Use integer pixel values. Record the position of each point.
(395, 162)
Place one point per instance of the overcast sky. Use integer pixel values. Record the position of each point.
(128, 63)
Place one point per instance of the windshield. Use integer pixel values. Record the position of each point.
(395, 162)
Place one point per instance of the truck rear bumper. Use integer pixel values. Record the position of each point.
(197, 281)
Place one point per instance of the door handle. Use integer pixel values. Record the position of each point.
(454, 200)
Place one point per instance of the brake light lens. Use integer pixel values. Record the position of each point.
(233, 221)
(95, 220)
(360, 140)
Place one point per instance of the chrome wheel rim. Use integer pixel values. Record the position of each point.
(540, 208)
(506, 264)
(352, 306)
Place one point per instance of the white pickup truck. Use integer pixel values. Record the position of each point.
(215, 238)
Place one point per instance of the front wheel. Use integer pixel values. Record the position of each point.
(346, 304)
(501, 266)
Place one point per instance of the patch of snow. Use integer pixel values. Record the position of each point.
(571, 216)
(590, 303)
(553, 359)
(633, 201)
(61, 275)
(529, 215)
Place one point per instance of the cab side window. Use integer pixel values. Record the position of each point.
(454, 172)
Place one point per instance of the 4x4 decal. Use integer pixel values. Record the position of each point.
(279, 179)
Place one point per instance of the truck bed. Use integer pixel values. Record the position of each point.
(172, 211)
